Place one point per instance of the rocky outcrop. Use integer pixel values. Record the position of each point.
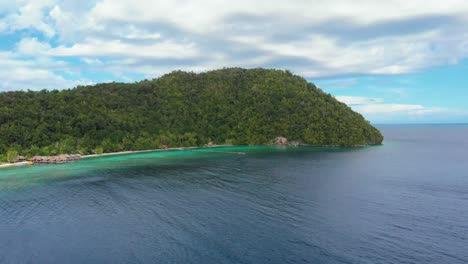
(282, 141)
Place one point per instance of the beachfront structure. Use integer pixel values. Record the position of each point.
(55, 159)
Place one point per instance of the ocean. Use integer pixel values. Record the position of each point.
(403, 202)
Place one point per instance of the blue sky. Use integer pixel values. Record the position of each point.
(434, 95)
(396, 61)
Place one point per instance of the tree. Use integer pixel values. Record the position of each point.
(179, 109)
(12, 155)
(99, 150)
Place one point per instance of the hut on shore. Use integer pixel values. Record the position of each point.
(20, 159)
(55, 159)
(36, 159)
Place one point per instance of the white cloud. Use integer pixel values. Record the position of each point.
(31, 46)
(390, 108)
(3, 26)
(310, 37)
(358, 100)
(208, 15)
(33, 74)
(219, 29)
(117, 48)
(424, 115)
(30, 14)
(378, 111)
(369, 105)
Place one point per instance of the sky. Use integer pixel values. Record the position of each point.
(394, 61)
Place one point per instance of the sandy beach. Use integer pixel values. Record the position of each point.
(131, 152)
(17, 164)
(25, 163)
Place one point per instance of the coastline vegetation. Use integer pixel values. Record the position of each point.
(181, 109)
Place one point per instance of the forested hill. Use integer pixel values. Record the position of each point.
(236, 106)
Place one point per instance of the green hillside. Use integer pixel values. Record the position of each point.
(236, 106)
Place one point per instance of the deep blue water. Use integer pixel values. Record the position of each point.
(403, 202)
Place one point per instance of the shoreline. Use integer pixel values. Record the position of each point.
(143, 151)
(26, 163)
(17, 164)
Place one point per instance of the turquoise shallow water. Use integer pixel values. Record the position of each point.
(15, 178)
(403, 202)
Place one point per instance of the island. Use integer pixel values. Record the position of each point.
(181, 109)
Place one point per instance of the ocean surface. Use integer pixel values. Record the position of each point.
(403, 202)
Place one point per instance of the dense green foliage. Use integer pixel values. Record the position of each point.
(12, 155)
(235, 106)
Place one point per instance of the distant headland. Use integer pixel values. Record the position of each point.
(181, 109)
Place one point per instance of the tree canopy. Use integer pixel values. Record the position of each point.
(236, 106)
